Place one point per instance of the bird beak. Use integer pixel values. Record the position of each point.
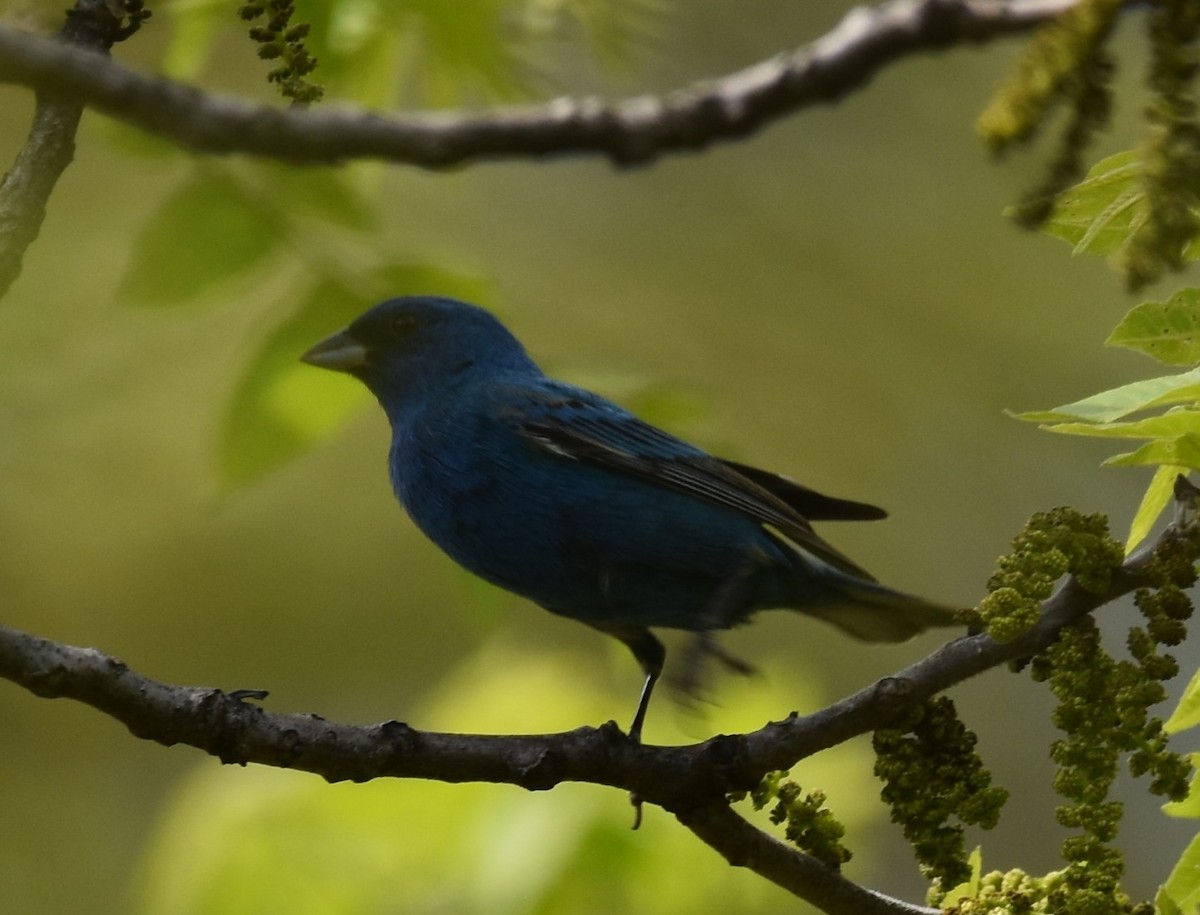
(339, 352)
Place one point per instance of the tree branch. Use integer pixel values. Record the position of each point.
(628, 132)
(742, 845)
(690, 781)
(780, 745)
(90, 29)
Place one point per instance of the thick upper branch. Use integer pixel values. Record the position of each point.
(631, 131)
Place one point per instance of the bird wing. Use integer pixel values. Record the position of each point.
(575, 424)
(813, 505)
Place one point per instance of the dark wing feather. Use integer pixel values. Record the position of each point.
(600, 433)
(813, 505)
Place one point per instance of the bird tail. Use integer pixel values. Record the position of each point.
(873, 612)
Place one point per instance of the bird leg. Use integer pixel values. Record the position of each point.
(650, 655)
(639, 717)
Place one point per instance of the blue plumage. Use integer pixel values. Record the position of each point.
(559, 495)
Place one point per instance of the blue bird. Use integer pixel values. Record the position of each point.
(559, 495)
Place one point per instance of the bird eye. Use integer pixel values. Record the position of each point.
(403, 325)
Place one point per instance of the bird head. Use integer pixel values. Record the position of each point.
(408, 348)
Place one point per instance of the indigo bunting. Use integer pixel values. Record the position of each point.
(559, 495)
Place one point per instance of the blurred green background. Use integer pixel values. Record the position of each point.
(837, 298)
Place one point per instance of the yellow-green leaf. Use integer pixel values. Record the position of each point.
(1182, 888)
(1183, 451)
(1187, 712)
(969, 889)
(192, 37)
(1173, 424)
(325, 193)
(1116, 403)
(1158, 495)
(207, 232)
(282, 406)
(1167, 331)
(1189, 807)
(1165, 905)
(1098, 215)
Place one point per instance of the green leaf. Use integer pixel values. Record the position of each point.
(1175, 423)
(1189, 807)
(358, 52)
(207, 232)
(1183, 451)
(434, 53)
(969, 889)
(429, 53)
(1167, 331)
(1165, 905)
(193, 33)
(1099, 214)
(1182, 888)
(1187, 712)
(1130, 398)
(1158, 495)
(618, 32)
(134, 141)
(282, 407)
(322, 192)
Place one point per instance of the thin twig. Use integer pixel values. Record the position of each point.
(743, 845)
(90, 29)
